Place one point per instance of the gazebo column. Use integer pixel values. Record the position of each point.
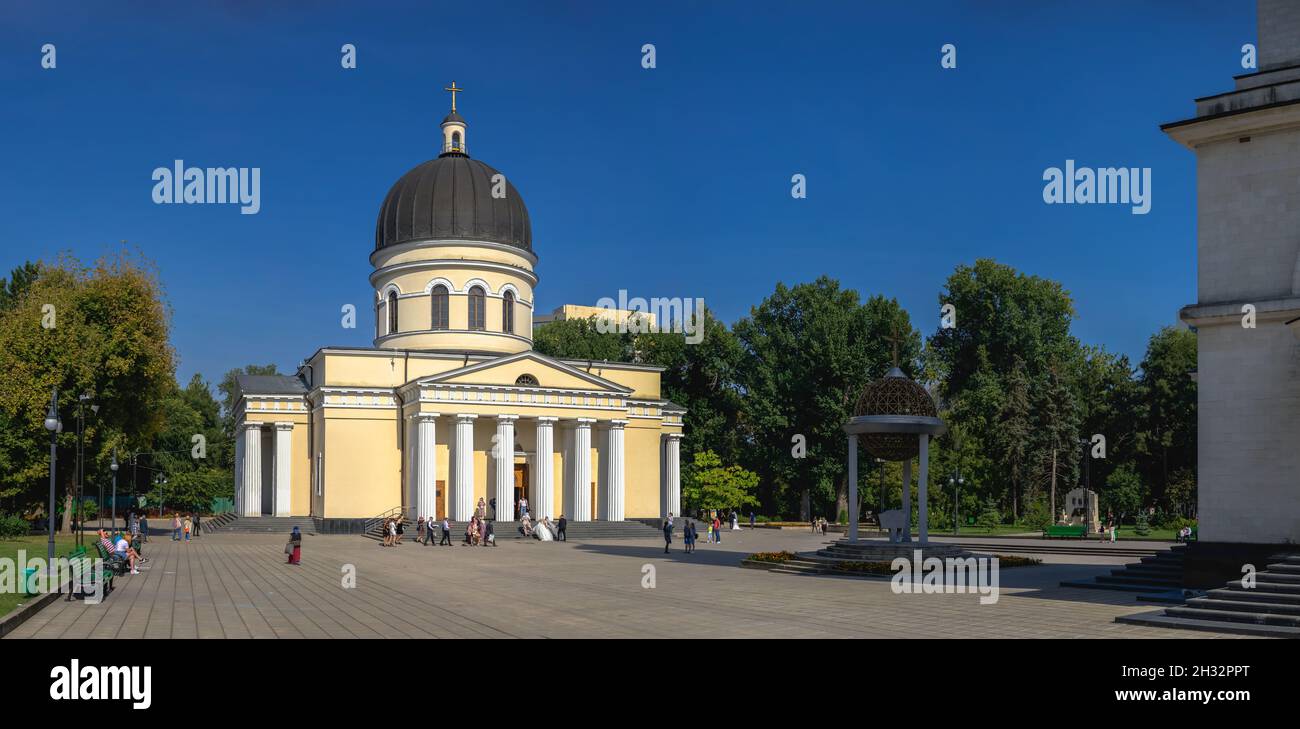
(907, 500)
(921, 477)
(853, 487)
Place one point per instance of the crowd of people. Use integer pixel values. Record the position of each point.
(690, 532)
(122, 550)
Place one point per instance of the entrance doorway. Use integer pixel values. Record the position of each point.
(439, 504)
(521, 486)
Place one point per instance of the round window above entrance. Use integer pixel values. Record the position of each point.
(527, 380)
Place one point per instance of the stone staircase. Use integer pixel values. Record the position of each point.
(1058, 546)
(1271, 607)
(263, 525)
(579, 531)
(1161, 572)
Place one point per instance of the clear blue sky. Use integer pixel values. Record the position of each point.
(666, 182)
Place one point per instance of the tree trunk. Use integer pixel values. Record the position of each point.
(805, 506)
(1053, 485)
(841, 499)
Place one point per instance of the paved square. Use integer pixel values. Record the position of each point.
(238, 586)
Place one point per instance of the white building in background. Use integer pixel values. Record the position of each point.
(1247, 145)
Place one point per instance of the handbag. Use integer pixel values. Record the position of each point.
(288, 548)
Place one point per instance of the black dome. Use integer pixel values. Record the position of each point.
(451, 197)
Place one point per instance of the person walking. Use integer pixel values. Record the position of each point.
(187, 526)
(688, 536)
(294, 547)
(143, 523)
(560, 529)
(176, 527)
(751, 519)
(197, 529)
(419, 531)
(668, 534)
(446, 533)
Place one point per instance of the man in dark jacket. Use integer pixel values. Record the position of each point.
(668, 534)
(560, 526)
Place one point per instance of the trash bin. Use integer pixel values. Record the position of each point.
(29, 576)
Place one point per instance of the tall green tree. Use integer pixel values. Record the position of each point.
(708, 484)
(1167, 439)
(808, 351)
(98, 329)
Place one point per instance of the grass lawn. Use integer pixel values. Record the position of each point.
(35, 547)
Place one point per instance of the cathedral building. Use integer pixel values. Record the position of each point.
(451, 404)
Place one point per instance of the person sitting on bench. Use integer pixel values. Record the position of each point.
(122, 549)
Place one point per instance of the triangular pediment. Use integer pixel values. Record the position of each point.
(549, 372)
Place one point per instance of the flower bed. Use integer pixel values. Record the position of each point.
(773, 557)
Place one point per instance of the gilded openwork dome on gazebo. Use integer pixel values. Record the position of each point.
(895, 394)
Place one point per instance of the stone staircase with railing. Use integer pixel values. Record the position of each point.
(1271, 607)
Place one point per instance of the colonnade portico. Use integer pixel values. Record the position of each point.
(250, 465)
(576, 447)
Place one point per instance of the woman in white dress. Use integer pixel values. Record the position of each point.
(543, 530)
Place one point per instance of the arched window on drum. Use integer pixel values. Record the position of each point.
(391, 308)
(508, 312)
(439, 316)
(477, 309)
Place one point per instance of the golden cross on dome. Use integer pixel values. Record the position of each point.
(894, 339)
(454, 90)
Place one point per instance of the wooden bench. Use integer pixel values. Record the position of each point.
(1069, 531)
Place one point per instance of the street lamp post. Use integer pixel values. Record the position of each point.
(956, 482)
(113, 520)
(53, 425)
(881, 461)
(80, 488)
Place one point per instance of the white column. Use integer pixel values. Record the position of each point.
(853, 487)
(907, 500)
(611, 477)
(283, 469)
(251, 495)
(923, 521)
(504, 450)
(426, 465)
(672, 475)
(543, 481)
(580, 502)
(239, 470)
(463, 487)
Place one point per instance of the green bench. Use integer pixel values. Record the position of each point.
(112, 562)
(88, 576)
(1075, 531)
